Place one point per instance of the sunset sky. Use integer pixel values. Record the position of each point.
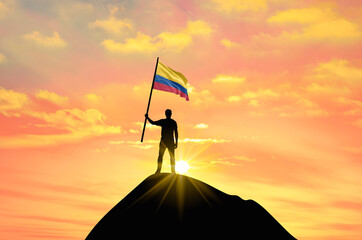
(275, 110)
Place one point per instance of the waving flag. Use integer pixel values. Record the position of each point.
(166, 79)
(169, 80)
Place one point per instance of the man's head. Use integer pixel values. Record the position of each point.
(168, 113)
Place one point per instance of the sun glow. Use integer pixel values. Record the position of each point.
(182, 167)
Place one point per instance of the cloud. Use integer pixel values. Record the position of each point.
(173, 41)
(336, 77)
(54, 41)
(334, 30)
(254, 97)
(11, 102)
(79, 124)
(238, 6)
(253, 103)
(112, 24)
(201, 99)
(198, 27)
(237, 159)
(354, 106)
(203, 140)
(2, 58)
(75, 119)
(149, 126)
(136, 144)
(76, 124)
(232, 161)
(233, 99)
(261, 93)
(93, 98)
(302, 16)
(327, 89)
(201, 126)
(318, 24)
(168, 41)
(301, 107)
(52, 97)
(227, 43)
(338, 69)
(228, 79)
(142, 43)
(147, 144)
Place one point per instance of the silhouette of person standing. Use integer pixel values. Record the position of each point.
(169, 127)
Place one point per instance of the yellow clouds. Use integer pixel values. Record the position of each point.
(232, 161)
(228, 79)
(147, 144)
(327, 89)
(317, 24)
(197, 27)
(52, 97)
(299, 106)
(168, 41)
(2, 58)
(339, 81)
(112, 24)
(201, 126)
(254, 96)
(203, 140)
(149, 126)
(335, 78)
(227, 43)
(141, 43)
(173, 41)
(233, 99)
(338, 69)
(54, 41)
(93, 98)
(73, 124)
(79, 122)
(353, 107)
(303, 16)
(261, 93)
(11, 102)
(334, 30)
(234, 6)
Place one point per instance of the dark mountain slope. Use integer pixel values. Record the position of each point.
(175, 206)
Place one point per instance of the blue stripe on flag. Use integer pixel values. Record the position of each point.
(170, 83)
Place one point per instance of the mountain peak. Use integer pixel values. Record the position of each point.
(183, 206)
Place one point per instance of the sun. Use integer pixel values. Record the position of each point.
(182, 167)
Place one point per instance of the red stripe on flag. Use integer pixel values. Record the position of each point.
(163, 87)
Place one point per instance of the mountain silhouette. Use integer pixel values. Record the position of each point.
(168, 206)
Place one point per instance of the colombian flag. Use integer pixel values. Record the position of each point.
(169, 80)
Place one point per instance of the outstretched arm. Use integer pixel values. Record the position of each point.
(149, 119)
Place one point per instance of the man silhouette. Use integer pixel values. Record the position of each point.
(169, 127)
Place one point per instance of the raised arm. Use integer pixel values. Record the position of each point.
(149, 119)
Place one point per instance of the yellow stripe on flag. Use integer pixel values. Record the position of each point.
(171, 74)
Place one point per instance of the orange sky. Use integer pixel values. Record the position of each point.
(275, 110)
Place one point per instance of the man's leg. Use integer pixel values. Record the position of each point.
(171, 150)
(160, 156)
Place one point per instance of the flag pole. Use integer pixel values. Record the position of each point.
(149, 101)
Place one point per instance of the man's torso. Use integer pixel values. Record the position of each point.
(168, 127)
